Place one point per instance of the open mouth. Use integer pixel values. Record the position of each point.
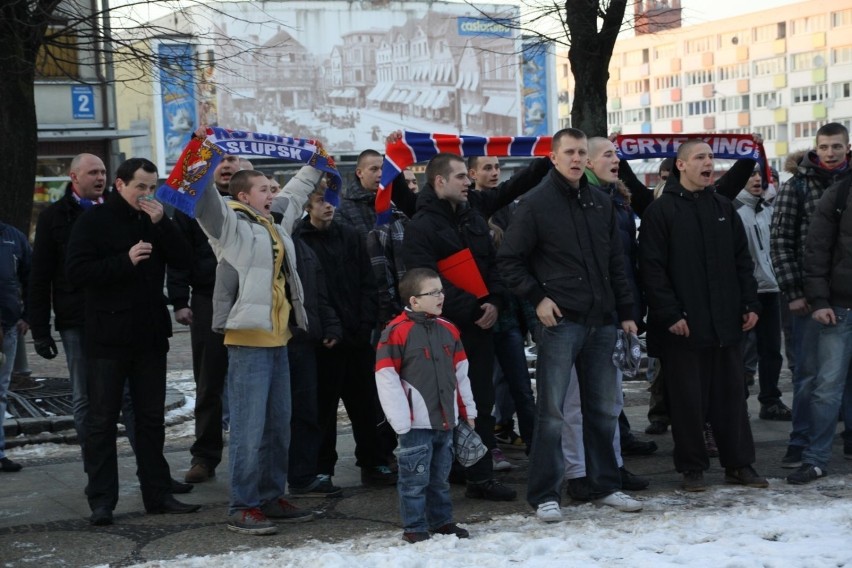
(707, 175)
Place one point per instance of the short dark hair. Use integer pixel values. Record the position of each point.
(471, 162)
(413, 279)
(128, 168)
(366, 154)
(318, 191)
(666, 165)
(683, 149)
(241, 181)
(833, 129)
(569, 132)
(439, 165)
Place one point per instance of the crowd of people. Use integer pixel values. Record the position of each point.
(295, 305)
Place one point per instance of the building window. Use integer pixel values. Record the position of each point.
(728, 39)
(57, 58)
(737, 71)
(636, 87)
(666, 82)
(699, 45)
(770, 100)
(806, 129)
(807, 60)
(613, 118)
(700, 108)
(731, 104)
(666, 112)
(637, 115)
(816, 23)
(633, 58)
(841, 54)
(667, 51)
(699, 77)
(809, 94)
(769, 32)
(771, 66)
(768, 132)
(842, 90)
(842, 18)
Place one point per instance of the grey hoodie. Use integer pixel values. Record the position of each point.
(756, 225)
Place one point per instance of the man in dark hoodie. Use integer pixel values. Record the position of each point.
(446, 224)
(794, 207)
(697, 275)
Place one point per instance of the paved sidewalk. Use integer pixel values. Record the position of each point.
(43, 512)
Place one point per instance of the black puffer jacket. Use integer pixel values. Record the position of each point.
(828, 252)
(48, 283)
(200, 276)
(694, 264)
(348, 276)
(436, 232)
(564, 244)
(323, 322)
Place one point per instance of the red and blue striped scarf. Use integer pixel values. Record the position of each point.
(416, 147)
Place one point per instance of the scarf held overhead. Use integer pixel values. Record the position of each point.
(725, 146)
(416, 147)
(193, 173)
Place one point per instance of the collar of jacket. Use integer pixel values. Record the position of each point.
(582, 194)
(427, 199)
(254, 216)
(809, 167)
(356, 192)
(749, 200)
(304, 226)
(675, 188)
(419, 317)
(120, 206)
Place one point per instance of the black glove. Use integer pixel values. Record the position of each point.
(46, 347)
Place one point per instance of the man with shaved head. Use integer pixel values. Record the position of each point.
(50, 289)
(698, 279)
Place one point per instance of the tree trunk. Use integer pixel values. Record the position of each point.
(19, 139)
(588, 112)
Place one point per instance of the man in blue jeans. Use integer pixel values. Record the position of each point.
(562, 252)
(828, 288)
(795, 204)
(15, 258)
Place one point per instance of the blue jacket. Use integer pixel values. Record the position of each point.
(15, 262)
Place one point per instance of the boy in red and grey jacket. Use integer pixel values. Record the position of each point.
(421, 376)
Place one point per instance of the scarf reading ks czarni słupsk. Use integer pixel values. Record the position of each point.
(193, 172)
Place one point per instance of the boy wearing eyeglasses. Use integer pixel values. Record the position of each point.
(421, 377)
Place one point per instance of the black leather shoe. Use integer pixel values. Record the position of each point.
(101, 517)
(656, 428)
(631, 481)
(179, 487)
(171, 506)
(635, 447)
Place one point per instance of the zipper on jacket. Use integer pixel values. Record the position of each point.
(757, 232)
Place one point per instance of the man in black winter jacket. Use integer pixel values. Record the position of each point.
(345, 371)
(562, 252)
(698, 279)
(118, 254)
(444, 225)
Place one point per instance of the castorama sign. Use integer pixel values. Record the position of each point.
(495, 27)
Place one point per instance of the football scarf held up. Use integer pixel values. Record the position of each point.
(415, 147)
(193, 173)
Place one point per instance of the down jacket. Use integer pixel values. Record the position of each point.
(421, 374)
(242, 298)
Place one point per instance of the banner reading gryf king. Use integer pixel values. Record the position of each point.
(194, 169)
(725, 146)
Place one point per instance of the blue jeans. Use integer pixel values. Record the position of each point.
(78, 368)
(425, 458)
(589, 348)
(514, 391)
(260, 401)
(10, 347)
(834, 353)
(805, 339)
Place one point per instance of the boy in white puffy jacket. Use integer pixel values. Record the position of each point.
(421, 375)
(256, 294)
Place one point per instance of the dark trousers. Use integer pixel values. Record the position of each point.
(347, 372)
(305, 434)
(658, 410)
(146, 375)
(768, 341)
(706, 385)
(209, 368)
(479, 347)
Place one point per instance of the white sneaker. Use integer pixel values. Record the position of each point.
(621, 502)
(499, 460)
(549, 512)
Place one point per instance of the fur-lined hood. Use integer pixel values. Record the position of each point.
(791, 164)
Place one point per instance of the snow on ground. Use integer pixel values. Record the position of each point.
(795, 527)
